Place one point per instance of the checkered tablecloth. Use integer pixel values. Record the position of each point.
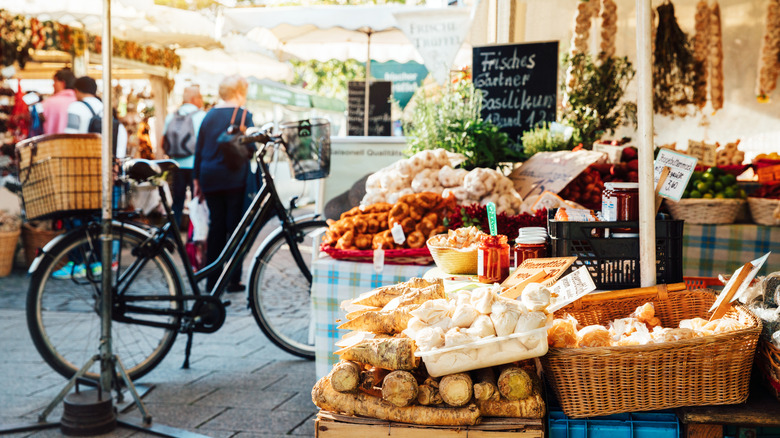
(710, 250)
(334, 281)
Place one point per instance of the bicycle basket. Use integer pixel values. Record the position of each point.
(60, 174)
(308, 147)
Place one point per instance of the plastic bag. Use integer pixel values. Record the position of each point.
(199, 217)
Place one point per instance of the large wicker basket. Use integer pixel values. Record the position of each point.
(35, 238)
(706, 211)
(60, 174)
(451, 260)
(8, 240)
(765, 211)
(710, 370)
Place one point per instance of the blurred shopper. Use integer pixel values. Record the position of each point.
(55, 108)
(179, 138)
(223, 189)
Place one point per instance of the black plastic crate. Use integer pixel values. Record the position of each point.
(613, 262)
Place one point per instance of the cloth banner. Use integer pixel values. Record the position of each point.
(437, 35)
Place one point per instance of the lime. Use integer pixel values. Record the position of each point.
(696, 175)
(715, 171)
(718, 186)
(703, 186)
(728, 179)
(707, 177)
(730, 193)
(707, 196)
(686, 194)
(695, 194)
(720, 196)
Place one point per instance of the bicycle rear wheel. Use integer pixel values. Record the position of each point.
(280, 290)
(63, 315)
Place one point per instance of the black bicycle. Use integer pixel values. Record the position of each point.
(151, 304)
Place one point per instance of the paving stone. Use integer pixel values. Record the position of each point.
(259, 400)
(306, 428)
(181, 416)
(300, 402)
(251, 420)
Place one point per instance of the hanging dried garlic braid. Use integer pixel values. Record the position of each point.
(608, 28)
(586, 11)
(701, 49)
(716, 58)
(768, 62)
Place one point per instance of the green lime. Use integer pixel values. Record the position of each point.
(695, 194)
(686, 194)
(695, 175)
(718, 186)
(715, 171)
(707, 177)
(730, 193)
(720, 196)
(728, 179)
(707, 196)
(703, 186)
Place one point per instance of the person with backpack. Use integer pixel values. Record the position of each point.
(85, 115)
(179, 138)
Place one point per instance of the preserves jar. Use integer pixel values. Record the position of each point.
(529, 247)
(493, 259)
(626, 198)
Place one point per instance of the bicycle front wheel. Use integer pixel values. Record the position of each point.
(280, 288)
(63, 314)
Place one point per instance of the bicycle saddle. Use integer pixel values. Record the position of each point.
(142, 170)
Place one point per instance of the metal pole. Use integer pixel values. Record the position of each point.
(647, 246)
(106, 355)
(366, 104)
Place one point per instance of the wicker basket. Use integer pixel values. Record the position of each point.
(35, 238)
(710, 370)
(768, 362)
(8, 241)
(403, 256)
(451, 260)
(765, 211)
(60, 174)
(706, 211)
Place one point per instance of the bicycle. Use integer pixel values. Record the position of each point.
(149, 304)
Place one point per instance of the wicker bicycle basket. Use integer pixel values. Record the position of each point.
(60, 174)
(706, 211)
(709, 370)
(308, 147)
(765, 211)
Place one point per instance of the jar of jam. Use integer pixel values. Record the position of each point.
(626, 198)
(529, 247)
(493, 259)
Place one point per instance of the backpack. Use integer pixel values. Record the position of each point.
(96, 125)
(179, 139)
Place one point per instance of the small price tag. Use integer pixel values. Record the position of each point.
(704, 152)
(571, 288)
(680, 170)
(769, 174)
(398, 234)
(379, 259)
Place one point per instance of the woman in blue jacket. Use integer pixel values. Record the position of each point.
(221, 188)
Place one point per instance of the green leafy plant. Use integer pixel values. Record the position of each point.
(542, 139)
(595, 104)
(452, 121)
(329, 78)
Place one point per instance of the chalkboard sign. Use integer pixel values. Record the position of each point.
(519, 84)
(379, 121)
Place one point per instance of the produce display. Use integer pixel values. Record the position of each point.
(381, 376)
(713, 183)
(431, 171)
(767, 191)
(640, 328)
(419, 215)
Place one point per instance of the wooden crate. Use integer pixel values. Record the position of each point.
(332, 425)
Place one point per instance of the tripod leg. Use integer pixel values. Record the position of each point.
(66, 389)
(187, 351)
(130, 387)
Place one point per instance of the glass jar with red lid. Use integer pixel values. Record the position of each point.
(493, 259)
(626, 197)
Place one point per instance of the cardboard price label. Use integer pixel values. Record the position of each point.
(571, 288)
(769, 174)
(704, 152)
(681, 168)
(552, 171)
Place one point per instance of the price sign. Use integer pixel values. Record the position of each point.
(680, 170)
(769, 174)
(702, 151)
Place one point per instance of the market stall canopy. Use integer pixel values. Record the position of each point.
(86, 12)
(239, 56)
(326, 32)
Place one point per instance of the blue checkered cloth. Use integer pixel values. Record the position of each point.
(334, 281)
(710, 250)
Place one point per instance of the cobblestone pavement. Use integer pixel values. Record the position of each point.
(238, 384)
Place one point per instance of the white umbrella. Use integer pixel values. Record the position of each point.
(87, 12)
(167, 26)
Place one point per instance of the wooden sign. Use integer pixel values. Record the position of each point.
(379, 121)
(543, 270)
(519, 83)
(680, 170)
(552, 171)
(769, 174)
(704, 152)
